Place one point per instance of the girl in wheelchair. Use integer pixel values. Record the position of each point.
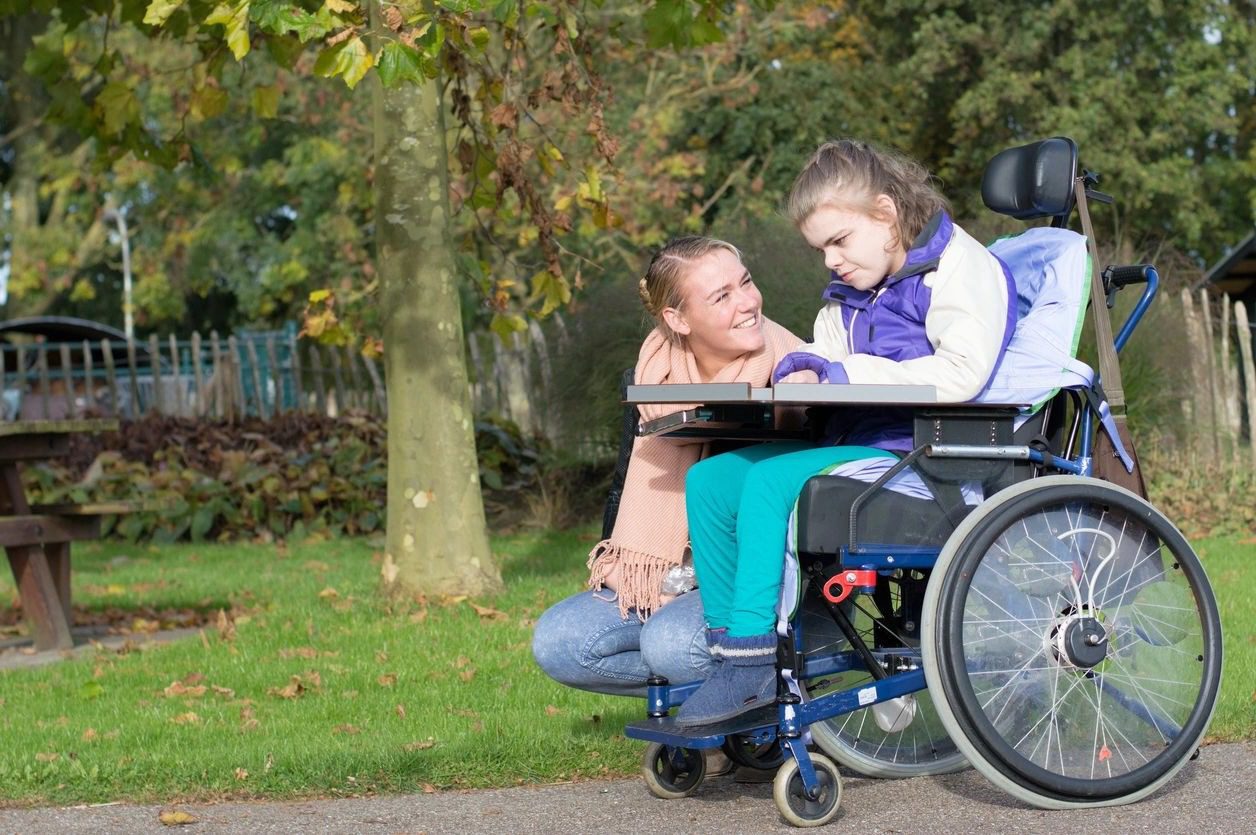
(913, 300)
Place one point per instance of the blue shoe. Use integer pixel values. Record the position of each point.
(744, 681)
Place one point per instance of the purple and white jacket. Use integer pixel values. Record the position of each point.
(943, 320)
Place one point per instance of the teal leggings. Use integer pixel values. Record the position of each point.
(738, 506)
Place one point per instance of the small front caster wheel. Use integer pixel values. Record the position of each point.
(672, 772)
(791, 797)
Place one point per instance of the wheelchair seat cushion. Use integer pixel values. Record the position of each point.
(886, 517)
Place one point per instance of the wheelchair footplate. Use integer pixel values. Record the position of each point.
(665, 731)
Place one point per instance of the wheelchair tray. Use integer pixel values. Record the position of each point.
(824, 393)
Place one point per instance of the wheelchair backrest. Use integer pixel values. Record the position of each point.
(1051, 268)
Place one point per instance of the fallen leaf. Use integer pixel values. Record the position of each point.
(291, 690)
(460, 662)
(389, 570)
(193, 678)
(387, 680)
(90, 734)
(176, 818)
(298, 652)
(381, 656)
(467, 674)
(241, 774)
(49, 757)
(226, 629)
(420, 745)
(346, 729)
(550, 710)
(428, 788)
(225, 692)
(143, 625)
(401, 711)
(486, 613)
(188, 718)
(179, 688)
(328, 593)
(419, 616)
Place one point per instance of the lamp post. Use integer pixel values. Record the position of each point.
(127, 319)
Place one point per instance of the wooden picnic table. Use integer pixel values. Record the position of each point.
(37, 538)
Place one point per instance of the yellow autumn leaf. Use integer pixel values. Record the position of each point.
(176, 817)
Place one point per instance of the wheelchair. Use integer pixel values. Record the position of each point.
(982, 602)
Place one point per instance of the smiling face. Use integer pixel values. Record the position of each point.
(862, 248)
(721, 316)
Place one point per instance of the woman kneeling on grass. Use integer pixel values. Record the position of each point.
(709, 328)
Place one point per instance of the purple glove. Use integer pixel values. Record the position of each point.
(828, 372)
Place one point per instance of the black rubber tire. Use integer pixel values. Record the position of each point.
(762, 757)
(672, 773)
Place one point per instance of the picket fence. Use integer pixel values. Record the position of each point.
(1222, 405)
(257, 374)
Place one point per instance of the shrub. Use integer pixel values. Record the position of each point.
(293, 476)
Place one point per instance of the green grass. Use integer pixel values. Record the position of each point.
(405, 696)
(408, 695)
(1231, 565)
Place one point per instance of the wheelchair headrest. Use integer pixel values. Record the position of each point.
(1032, 181)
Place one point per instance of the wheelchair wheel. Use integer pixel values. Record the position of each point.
(760, 756)
(1072, 643)
(791, 798)
(858, 740)
(671, 773)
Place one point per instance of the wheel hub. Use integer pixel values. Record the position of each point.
(1078, 640)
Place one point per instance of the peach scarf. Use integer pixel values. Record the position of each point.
(651, 532)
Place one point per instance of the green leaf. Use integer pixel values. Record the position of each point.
(118, 107)
(672, 23)
(284, 49)
(234, 18)
(398, 62)
(506, 12)
(160, 10)
(266, 101)
(202, 521)
(552, 290)
(504, 324)
(209, 102)
(350, 59)
(91, 689)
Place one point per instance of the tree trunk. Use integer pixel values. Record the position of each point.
(437, 539)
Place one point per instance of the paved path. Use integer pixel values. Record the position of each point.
(1213, 795)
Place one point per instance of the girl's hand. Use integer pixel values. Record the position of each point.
(828, 372)
(804, 376)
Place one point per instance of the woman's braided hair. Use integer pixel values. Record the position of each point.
(662, 286)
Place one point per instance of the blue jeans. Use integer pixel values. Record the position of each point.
(582, 642)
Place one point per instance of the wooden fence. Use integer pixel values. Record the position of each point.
(1223, 402)
(258, 374)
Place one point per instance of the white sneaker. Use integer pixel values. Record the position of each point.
(896, 714)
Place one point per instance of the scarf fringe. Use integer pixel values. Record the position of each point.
(640, 584)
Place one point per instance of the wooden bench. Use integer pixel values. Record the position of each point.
(37, 538)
